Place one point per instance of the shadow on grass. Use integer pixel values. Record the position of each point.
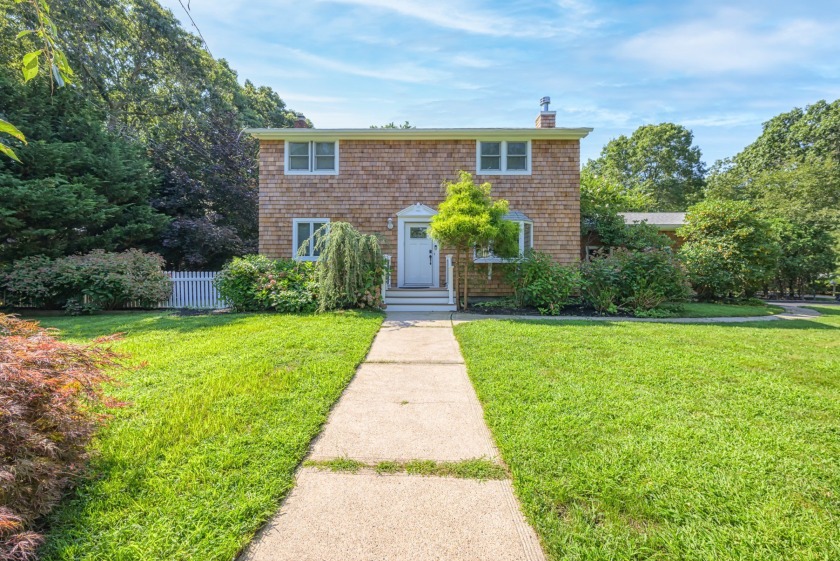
(133, 323)
(826, 310)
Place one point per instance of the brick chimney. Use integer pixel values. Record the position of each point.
(545, 120)
(300, 121)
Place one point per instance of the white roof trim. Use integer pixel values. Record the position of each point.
(421, 134)
(417, 209)
(662, 220)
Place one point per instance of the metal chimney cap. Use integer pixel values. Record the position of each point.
(544, 102)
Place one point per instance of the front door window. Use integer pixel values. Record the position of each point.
(419, 255)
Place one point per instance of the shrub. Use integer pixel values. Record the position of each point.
(540, 282)
(350, 268)
(633, 280)
(48, 393)
(31, 282)
(256, 283)
(729, 250)
(95, 281)
(599, 284)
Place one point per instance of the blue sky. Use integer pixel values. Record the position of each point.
(719, 68)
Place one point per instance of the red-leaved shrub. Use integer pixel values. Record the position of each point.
(50, 403)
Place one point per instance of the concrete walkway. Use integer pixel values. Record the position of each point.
(410, 400)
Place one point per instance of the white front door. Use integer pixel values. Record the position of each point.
(419, 255)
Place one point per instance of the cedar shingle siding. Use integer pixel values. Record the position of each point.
(378, 178)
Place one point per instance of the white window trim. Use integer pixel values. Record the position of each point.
(311, 170)
(296, 242)
(504, 170)
(495, 259)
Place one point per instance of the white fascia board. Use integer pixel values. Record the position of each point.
(420, 134)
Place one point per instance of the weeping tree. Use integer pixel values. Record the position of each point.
(470, 218)
(349, 268)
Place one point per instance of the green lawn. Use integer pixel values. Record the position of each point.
(662, 441)
(706, 310)
(218, 422)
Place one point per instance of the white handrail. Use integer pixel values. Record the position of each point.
(450, 274)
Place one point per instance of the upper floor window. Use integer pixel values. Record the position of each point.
(313, 157)
(504, 157)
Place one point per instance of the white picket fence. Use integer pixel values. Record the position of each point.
(193, 289)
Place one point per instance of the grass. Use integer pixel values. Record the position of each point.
(670, 310)
(707, 310)
(467, 469)
(477, 468)
(665, 441)
(218, 422)
(337, 464)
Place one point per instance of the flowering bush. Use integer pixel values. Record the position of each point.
(256, 283)
(31, 282)
(49, 391)
(81, 283)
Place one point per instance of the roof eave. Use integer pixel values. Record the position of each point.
(419, 134)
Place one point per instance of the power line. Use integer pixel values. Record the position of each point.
(189, 15)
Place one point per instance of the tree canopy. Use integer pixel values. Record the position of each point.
(658, 164)
(169, 117)
(78, 187)
(791, 176)
(729, 250)
(469, 217)
(798, 136)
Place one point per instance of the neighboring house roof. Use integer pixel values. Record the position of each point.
(663, 220)
(421, 134)
(516, 216)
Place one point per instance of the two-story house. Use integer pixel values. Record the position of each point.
(388, 182)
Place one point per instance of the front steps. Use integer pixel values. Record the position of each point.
(418, 300)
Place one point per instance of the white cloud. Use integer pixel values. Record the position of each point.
(471, 61)
(732, 41)
(726, 120)
(471, 18)
(407, 72)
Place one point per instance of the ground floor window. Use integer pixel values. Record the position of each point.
(526, 241)
(304, 237)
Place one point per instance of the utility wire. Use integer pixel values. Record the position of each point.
(189, 15)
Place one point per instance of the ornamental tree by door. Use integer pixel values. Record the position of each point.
(469, 217)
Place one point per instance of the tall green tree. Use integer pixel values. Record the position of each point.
(730, 250)
(78, 187)
(658, 163)
(209, 189)
(153, 85)
(800, 135)
(44, 51)
(601, 202)
(468, 218)
(791, 175)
